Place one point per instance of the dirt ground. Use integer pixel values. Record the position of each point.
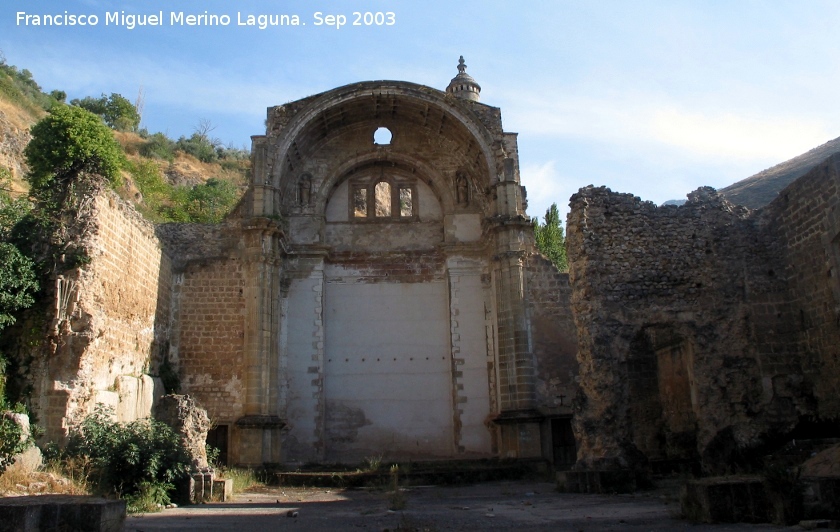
(492, 506)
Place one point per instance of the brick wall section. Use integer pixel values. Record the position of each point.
(553, 334)
(706, 275)
(210, 343)
(806, 219)
(132, 286)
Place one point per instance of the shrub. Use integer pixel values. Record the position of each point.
(139, 460)
(210, 202)
(199, 146)
(17, 272)
(205, 203)
(158, 146)
(11, 440)
(12, 210)
(18, 283)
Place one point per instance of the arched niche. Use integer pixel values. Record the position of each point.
(408, 111)
(382, 207)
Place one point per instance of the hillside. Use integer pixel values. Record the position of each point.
(14, 136)
(762, 188)
(191, 179)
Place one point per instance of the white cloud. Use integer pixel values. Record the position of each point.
(545, 186)
(645, 122)
(731, 136)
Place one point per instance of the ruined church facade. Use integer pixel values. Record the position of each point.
(385, 314)
(380, 285)
(375, 293)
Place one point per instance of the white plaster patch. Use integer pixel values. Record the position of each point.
(463, 227)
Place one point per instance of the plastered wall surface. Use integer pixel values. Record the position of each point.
(388, 382)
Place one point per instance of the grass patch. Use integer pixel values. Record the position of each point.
(53, 479)
(243, 478)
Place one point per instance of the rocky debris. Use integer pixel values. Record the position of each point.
(179, 176)
(30, 459)
(190, 421)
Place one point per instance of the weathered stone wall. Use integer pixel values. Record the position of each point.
(677, 308)
(805, 219)
(553, 335)
(109, 326)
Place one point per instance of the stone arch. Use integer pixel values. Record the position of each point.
(304, 129)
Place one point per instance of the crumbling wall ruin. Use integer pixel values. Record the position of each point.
(108, 324)
(705, 330)
(207, 320)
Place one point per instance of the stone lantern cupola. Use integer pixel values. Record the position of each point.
(463, 85)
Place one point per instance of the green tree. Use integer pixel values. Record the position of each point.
(12, 210)
(59, 96)
(17, 283)
(17, 272)
(550, 239)
(199, 146)
(66, 143)
(158, 146)
(117, 112)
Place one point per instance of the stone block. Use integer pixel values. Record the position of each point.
(30, 459)
(223, 489)
(61, 512)
(726, 500)
(185, 491)
(822, 497)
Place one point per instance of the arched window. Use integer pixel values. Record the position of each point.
(383, 199)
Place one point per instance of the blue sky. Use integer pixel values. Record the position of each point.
(654, 98)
